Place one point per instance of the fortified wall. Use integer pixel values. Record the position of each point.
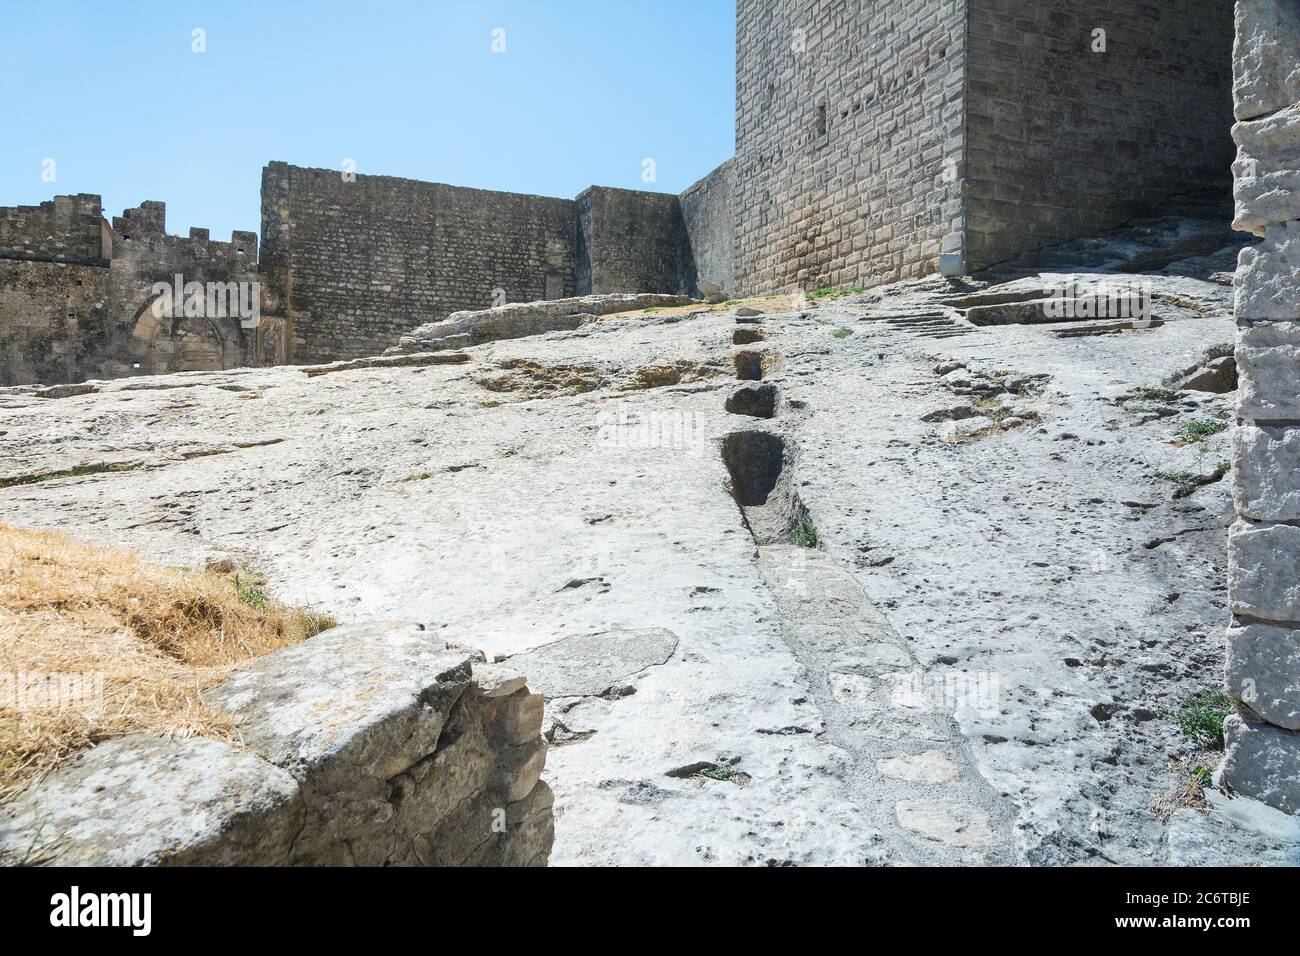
(353, 263)
(75, 294)
(1262, 741)
(873, 135)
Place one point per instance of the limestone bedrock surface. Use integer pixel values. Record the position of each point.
(972, 665)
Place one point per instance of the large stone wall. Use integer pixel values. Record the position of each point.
(1262, 757)
(709, 221)
(65, 229)
(372, 744)
(849, 136)
(628, 241)
(353, 265)
(52, 326)
(1063, 141)
(74, 294)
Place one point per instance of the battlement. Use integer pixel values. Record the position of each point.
(67, 229)
(145, 226)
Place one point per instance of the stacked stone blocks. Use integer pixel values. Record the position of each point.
(1263, 661)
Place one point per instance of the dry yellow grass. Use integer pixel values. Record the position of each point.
(131, 646)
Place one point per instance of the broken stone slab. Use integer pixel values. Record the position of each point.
(1264, 571)
(1268, 277)
(1218, 376)
(1263, 671)
(1268, 367)
(345, 713)
(418, 359)
(367, 699)
(1267, 484)
(497, 680)
(518, 319)
(593, 665)
(142, 800)
(1266, 172)
(1266, 68)
(1261, 761)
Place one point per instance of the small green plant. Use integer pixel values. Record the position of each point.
(723, 773)
(1187, 482)
(248, 588)
(832, 292)
(804, 534)
(654, 308)
(1201, 776)
(842, 333)
(1201, 718)
(1199, 429)
(1157, 394)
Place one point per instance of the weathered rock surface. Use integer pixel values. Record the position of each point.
(143, 800)
(1263, 671)
(1264, 575)
(1268, 363)
(1267, 170)
(518, 319)
(1023, 601)
(372, 744)
(1266, 69)
(1263, 761)
(1268, 278)
(1267, 484)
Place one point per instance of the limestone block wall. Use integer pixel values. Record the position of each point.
(353, 265)
(628, 241)
(709, 220)
(1064, 140)
(52, 320)
(73, 292)
(144, 254)
(1262, 740)
(849, 139)
(65, 229)
(372, 744)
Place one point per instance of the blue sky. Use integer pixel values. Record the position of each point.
(584, 92)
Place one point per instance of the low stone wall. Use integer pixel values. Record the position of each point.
(372, 744)
(1263, 661)
(519, 319)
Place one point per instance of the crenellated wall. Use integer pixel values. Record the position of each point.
(75, 292)
(1262, 758)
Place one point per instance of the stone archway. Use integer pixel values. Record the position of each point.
(1262, 741)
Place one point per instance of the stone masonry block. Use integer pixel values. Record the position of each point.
(365, 699)
(1267, 460)
(1268, 365)
(1268, 274)
(1263, 671)
(1266, 185)
(1262, 762)
(148, 801)
(1266, 67)
(1264, 571)
(347, 713)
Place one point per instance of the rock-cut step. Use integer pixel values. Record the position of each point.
(907, 766)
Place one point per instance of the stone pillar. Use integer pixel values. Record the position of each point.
(1262, 740)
